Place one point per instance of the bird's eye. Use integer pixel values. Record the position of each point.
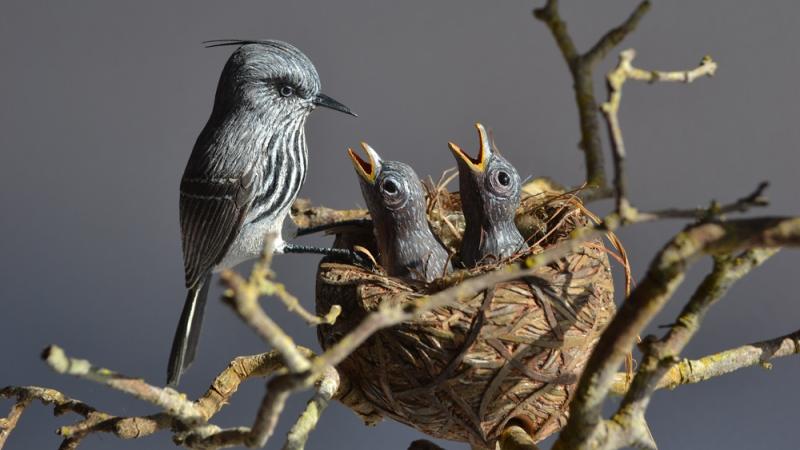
(286, 90)
(501, 181)
(503, 178)
(394, 193)
(390, 187)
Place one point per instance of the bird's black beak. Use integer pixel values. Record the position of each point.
(324, 100)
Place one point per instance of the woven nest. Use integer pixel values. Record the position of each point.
(463, 372)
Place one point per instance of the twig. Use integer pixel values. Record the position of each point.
(615, 80)
(292, 303)
(94, 421)
(169, 400)
(585, 427)
(278, 390)
(660, 356)
(691, 371)
(238, 371)
(242, 295)
(8, 423)
(326, 388)
(581, 67)
(515, 437)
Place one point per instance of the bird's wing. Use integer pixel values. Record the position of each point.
(212, 212)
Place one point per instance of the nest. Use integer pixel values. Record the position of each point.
(514, 352)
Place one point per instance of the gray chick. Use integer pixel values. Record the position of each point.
(490, 193)
(396, 203)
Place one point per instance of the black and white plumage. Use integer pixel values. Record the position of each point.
(245, 170)
(394, 195)
(490, 194)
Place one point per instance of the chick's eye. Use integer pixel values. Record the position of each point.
(286, 91)
(390, 187)
(503, 178)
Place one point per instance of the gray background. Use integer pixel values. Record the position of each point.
(102, 101)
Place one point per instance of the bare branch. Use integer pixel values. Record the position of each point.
(8, 423)
(306, 215)
(515, 437)
(754, 199)
(581, 68)
(278, 390)
(616, 35)
(691, 371)
(326, 388)
(550, 15)
(169, 400)
(659, 356)
(665, 274)
(238, 371)
(242, 295)
(615, 80)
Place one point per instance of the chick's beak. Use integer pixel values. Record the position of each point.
(328, 102)
(477, 164)
(367, 170)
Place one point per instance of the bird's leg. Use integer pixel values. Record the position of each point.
(335, 227)
(343, 254)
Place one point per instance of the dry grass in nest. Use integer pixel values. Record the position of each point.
(514, 352)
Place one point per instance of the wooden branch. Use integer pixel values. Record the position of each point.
(691, 371)
(713, 211)
(93, 420)
(167, 399)
(616, 35)
(238, 371)
(659, 356)
(8, 423)
(515, 437)
(581, 67)
(242, 295)
(306, 215)
(615, 80)
(326, 389)
(585, 427)
(278, 390)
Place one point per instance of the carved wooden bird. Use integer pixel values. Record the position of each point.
(490, 194)
(394, 195)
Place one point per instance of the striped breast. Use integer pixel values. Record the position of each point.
(282, 174)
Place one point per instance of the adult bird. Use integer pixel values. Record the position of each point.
(244, 173)
(396, 203)
(490, 193)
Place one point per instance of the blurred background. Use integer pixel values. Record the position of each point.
(102, 102)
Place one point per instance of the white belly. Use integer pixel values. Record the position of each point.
(250, 242)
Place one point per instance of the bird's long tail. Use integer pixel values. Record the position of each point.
(184, 344)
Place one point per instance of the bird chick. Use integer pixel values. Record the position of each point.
(396, 203)
(490, 193)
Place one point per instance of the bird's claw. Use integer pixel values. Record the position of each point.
(362, 258)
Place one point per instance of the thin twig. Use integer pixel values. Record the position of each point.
(659, 356)
(238, 371)
(615, 80)
(515, 437)
(169, 400)
(8, 423)
(585, 426)
(242, 295)
(581, 67)
(691, 371)
(326, 389)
